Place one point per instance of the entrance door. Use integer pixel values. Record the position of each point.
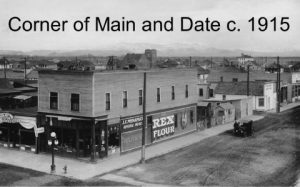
(103, 143)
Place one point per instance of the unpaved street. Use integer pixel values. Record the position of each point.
(270, 157)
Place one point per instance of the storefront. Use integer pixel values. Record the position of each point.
(19, 132)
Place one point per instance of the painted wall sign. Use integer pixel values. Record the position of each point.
(163, 126)
(132, 123)
(131, 140)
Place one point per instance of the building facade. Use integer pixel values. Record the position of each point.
(99, 113)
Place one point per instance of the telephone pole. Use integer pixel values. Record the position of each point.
(144, 120)
(25, 70)
(248, 89)
(278, 86)
(4, 63)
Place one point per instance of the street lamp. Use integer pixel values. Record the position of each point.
(52, 142)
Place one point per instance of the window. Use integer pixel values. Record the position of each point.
(211, 92)
(173, 93)
(107, 101)
(140, 97)
(158, 95)
(53, 100)
(186, 91)
(75, 102)
(201, 92)
(192, 116)
(124, 99)
(261, 102)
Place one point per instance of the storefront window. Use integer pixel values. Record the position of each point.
(192, 116)
(113, 138)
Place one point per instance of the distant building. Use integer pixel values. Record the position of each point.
(246, 60)
(139, 61)
(4, 63)
(263, 93)
(272, 68)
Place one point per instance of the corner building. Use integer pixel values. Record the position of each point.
(99, 113)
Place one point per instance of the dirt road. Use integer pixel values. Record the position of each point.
(270, 157)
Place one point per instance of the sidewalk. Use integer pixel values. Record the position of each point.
(286, 107)
(82, 170)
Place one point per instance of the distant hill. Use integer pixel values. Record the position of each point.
(176, 49)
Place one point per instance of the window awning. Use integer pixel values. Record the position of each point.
(22, 97)
(205, 104)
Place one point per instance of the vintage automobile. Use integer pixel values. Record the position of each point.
(243, 128)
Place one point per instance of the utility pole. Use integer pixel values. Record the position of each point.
(25, 70)
(144, 121)
(190, 61)
(4, 63)
(248, 80)
(278, 86)
(211, 62)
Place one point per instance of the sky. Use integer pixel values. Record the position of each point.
(138, 10)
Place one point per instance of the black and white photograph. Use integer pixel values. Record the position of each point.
(149, 93)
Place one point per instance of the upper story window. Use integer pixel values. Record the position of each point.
(186, 91)
(107, 101)
(158, 95)
(124, 99)
(200, 92)
(173, 93)
(75, 102)
(140, 97)
(53, 100)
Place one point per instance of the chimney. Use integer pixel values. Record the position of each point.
(224, 97)
(221, 79)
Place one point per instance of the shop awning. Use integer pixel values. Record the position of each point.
(64, 118)
(22, 97)
(205, 104)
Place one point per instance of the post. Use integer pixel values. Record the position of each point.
(93, 141)
(248, 89)
(52, 150)
(278, 86)
(25, 69)
(190, 61)
(4, 63)
(144, 121)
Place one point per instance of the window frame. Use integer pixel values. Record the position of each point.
(173, 92)
(57, 100)
(186, 91)
(201, 92)
(106, 102)
(141, 97)
(158, 95)
(72, 109)
(125, 104)
(261, 100)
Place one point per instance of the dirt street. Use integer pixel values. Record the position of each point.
(270, 157)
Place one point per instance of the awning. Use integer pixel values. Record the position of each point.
(22, 97)
(205, 104)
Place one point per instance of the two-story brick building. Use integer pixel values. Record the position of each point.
(98, 113)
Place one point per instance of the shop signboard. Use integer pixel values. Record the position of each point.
(131, 140)
(131, 123)
(131, 133)
(6, 118)
(163, 126)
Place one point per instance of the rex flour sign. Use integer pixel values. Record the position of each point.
(162, 127)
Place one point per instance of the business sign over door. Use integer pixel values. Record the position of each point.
(163, 126)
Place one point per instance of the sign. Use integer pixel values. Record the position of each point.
(132, 123)
(163, 126)
(6, 118)
(38, 131)
(131, 140)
